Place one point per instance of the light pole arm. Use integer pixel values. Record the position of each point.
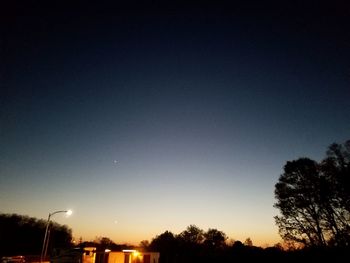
(56, 212)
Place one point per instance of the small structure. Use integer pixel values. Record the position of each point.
(92, 255)
(133, 256)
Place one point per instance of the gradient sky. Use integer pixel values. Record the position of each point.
(144, 119)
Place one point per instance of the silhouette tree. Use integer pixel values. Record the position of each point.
(190, 243)
(192, 235)
(167, 245)
(336, 192)
(313, 199)
(298, 201)
(214, 239)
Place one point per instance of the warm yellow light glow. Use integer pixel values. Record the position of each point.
(107, 250)
(129, 250)
(69, 212)
(134, 253)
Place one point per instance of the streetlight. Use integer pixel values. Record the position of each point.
(47, 233)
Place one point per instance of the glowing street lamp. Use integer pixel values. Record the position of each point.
(47, 234)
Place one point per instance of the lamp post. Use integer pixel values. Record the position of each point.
(47, 232)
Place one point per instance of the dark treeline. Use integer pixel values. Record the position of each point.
(23, 235)
(195, 245)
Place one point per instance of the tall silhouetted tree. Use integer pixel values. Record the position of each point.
(297, 196)
(313, 199)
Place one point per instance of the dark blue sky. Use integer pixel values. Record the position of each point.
(200, 105)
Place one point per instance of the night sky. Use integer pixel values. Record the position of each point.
(151, 117)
